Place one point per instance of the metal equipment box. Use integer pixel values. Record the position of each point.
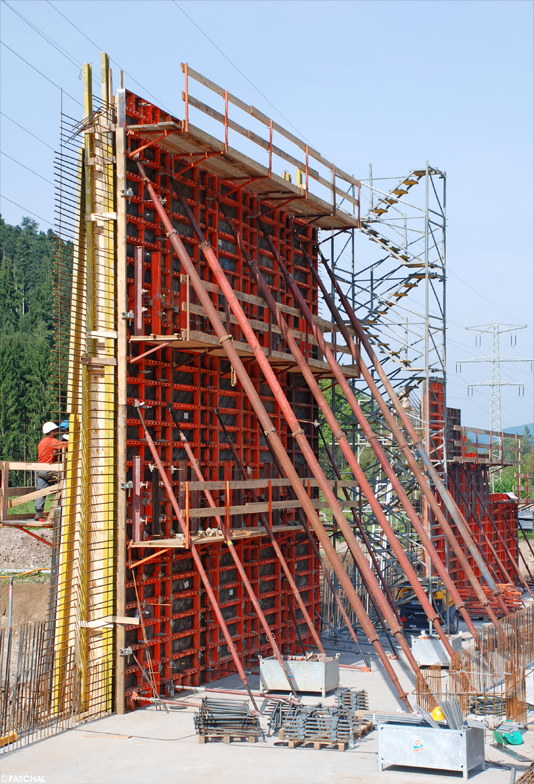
(306, 674)
(429, 650)
(426, 747)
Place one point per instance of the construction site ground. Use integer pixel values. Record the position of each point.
(150, 746)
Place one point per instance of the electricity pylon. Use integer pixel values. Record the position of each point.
(496, 359)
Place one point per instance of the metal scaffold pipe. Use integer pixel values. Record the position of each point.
(307, 451)
(196, 557)
(414, 519)
(302, 441)
(267, 523)
(304, 524)
(341, 439)
(412, 462)
(240, 568)
(266, 423)
(361, 529)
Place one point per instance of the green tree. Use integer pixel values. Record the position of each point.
(26, 336)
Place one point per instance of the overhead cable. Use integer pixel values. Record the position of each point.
(26, 210)
(42, 74)
(25, 129)
(239, 71)
(26, 167)
(100, 49)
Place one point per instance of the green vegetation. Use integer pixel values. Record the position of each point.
(506, 480)
(26, 330)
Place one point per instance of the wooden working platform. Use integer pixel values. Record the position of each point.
(235, 534)
(197, 341)
(234, 166)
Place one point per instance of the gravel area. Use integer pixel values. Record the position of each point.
(19, 550)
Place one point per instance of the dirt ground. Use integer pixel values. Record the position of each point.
(30, 602)
(21, 551)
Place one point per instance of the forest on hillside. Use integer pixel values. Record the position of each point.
(27, 357)
(26, 336)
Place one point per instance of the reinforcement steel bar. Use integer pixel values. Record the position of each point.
(298, 433)
(412, 462)
(304, 524)
(270, 432)
(196, 557)
(355, 467)
(267, 523)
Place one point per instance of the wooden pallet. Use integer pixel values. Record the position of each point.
(359, 732)
(227, 737)
(317, 744)
(363, 729)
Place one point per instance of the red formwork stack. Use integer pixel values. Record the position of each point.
(169, 366)
(491, 517)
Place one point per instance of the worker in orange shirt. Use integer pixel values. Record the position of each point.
(48, 451)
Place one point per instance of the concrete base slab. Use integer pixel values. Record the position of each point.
(149, 746)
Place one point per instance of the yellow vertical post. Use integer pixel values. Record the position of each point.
(110, 325)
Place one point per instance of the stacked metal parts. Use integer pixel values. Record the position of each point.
(322, 725)
(339, 724)
(352, 700)
(226, 719)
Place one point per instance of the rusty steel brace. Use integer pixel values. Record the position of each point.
(514, 563)
(304, 524)
(421, 479)
(361, 529)
(196, 557)
(352, 542)
(266, 523)
(269, 430)
(240, 568)
(307, 451)
(472, 513)
(450, 504)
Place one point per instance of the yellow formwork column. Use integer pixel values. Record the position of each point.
(86, 571)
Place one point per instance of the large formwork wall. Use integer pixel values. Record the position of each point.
(491, 517)
(183, 639)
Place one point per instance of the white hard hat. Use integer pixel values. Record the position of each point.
(49, 426)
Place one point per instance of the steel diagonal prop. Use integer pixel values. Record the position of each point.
(265, 420)
(196, 556)
(450, 504)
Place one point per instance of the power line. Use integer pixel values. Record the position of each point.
(239, 70)
(25, 167)
(100, 49)
(60, 49)
(27, 131)
(483, 297)
(25, 209)
(40, 72)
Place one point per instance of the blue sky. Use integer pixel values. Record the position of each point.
(388, 83)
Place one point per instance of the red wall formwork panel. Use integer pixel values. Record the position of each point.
(469, 485)
(184, 641)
